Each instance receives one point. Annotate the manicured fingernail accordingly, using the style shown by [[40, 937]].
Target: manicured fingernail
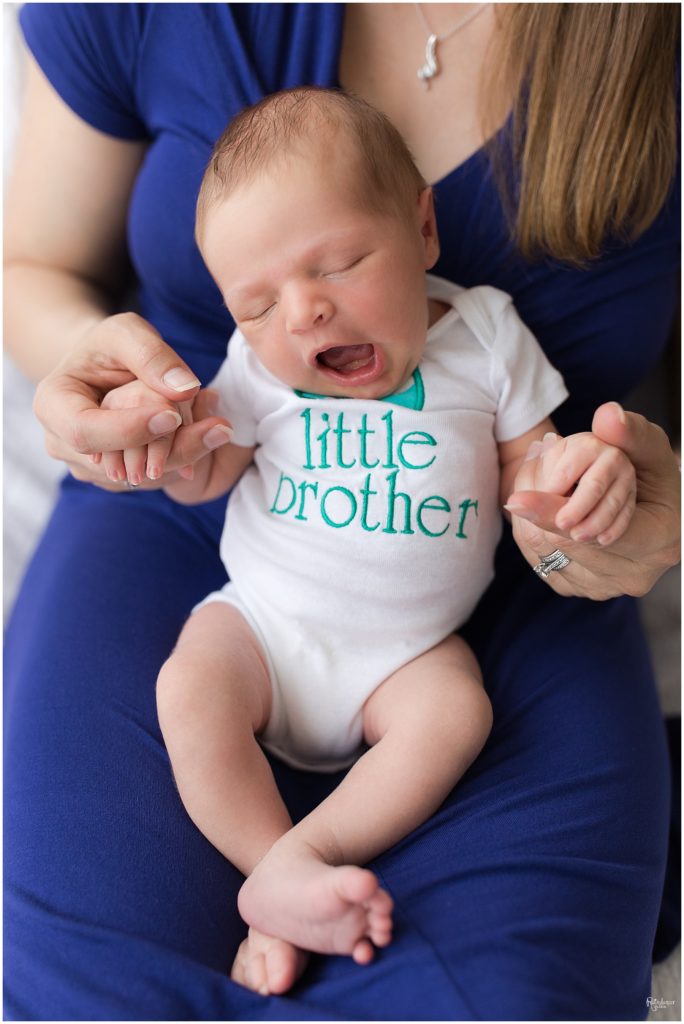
[[187, 472], [164, 422], [263, 991], [524, 513], [550, 436], [534, 451], [180, 379], [580, 535], [620, 412], [153, 472], [217, 436]]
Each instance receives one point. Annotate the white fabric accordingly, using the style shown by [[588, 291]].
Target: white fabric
[[364, 532]]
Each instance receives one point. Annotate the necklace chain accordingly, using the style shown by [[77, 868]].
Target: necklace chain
[[431, 67]]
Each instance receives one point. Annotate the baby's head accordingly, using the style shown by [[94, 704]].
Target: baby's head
[[318, 229]]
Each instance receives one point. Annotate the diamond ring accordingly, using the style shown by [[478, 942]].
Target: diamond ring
[[551, 563]]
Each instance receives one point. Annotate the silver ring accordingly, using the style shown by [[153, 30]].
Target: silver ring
[[551, 563]]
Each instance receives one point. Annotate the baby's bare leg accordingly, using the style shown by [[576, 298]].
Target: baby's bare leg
[[426, 724], [213, 696]]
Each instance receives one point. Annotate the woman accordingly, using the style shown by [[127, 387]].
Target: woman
[[534, 891]]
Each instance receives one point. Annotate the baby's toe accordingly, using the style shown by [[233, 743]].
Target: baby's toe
[[363, 952], [380, 903], [257, 977], [380, 934], [284, 964], [238, 971], [355, 885]]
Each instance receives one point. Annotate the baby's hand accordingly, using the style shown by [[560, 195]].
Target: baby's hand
[[597, 480], [134, 464]]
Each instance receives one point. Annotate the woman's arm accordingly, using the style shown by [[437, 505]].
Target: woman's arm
[[65, 266], [65, 218]]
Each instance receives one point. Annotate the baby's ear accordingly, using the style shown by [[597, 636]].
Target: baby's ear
[[428, 226]]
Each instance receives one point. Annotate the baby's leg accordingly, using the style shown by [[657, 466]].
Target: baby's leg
[[213, 696], [425, 724]]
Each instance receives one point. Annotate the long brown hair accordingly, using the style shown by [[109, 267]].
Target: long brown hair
[[594, 126]]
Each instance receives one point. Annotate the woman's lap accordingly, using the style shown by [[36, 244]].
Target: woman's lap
[[533, 893]]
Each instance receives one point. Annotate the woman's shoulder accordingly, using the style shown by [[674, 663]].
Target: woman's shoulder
[[117, 65], [88, 53]]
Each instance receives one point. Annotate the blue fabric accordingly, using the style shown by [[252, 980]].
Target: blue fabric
[[534, 892]]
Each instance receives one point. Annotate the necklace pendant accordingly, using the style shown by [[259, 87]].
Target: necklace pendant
[[431, 67]]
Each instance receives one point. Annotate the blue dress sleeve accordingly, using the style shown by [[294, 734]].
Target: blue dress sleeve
[[89, 54]]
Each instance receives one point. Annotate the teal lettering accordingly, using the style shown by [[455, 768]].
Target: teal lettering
[[366, 493], [352, 503], [391, 499], [464, 507], [340, 430], [409, 439], [387, 418], [306, 415], [323, 438], [363, 433], [303, 487], [442, 505], [274, 506]]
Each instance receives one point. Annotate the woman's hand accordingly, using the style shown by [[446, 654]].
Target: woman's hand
[[160, 460], [649, 545], [115, 351]]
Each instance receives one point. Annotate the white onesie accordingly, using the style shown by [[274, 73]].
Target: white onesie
[[364, 532]]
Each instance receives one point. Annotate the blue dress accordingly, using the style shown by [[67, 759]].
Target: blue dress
[[533, 893]]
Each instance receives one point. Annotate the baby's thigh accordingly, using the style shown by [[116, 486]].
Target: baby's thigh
[[218, 670], [431, 694]]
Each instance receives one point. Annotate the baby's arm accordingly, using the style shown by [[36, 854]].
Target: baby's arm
[[594, 484], [213, 475]]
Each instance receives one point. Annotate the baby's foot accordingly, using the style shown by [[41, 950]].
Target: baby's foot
[[268, 966], [294, 895]]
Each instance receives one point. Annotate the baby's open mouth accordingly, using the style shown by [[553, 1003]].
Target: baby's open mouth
[[345, 359]]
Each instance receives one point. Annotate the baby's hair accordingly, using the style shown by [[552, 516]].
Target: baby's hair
[[281, 124]]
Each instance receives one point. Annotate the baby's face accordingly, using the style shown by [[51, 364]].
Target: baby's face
[[329, 294]]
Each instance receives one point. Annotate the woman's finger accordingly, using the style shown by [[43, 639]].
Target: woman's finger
[[76, 417], [116, 351], [644, 443], [125, 347], [134, 343], [537, 507], [196, 441]]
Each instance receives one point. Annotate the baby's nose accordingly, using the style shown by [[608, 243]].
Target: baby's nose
[[306, 310]]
